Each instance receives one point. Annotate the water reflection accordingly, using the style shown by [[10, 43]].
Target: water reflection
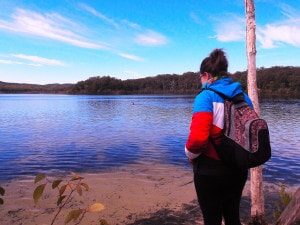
[[44, 133]]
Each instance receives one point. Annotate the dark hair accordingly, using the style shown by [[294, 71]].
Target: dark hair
[[216, 63]]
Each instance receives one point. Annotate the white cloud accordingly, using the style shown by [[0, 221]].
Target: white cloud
[[151, 38], [56, 27], [39, 60], [5, 61], [29, 60], [146, 37], [286, 32], [51, 26], [131, 57], [12, 62], [131, 24], [63, 22], [231, 30], [98, 15], [288, 11], [270, 35]]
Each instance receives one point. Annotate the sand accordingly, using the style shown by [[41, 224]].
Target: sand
[[135, 194]]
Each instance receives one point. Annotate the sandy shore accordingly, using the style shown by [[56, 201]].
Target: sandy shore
[[137, 194]]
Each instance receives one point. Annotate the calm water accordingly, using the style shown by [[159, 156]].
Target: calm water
[[50, 133]]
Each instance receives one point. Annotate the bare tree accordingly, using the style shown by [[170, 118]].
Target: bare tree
[[257, 198]]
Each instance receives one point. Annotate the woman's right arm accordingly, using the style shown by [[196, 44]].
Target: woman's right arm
[[201, 124]]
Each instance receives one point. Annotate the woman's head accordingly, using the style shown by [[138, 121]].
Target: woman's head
[[215, 64]]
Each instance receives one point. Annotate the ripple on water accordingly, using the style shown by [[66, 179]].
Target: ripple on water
[[53, 133]]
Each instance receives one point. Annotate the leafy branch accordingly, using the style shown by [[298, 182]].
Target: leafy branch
[[65, 193]]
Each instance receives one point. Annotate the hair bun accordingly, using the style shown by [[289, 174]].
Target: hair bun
[[216, 63], [217, 54]]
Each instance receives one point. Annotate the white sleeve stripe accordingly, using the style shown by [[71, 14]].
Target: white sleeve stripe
[[218, 117], [190, 155]]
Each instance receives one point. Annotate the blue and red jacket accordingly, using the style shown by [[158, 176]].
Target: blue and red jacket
[[208, 117]]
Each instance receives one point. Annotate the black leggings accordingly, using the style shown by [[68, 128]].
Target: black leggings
[[220, 196]]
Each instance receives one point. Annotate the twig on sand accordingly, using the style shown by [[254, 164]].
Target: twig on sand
[[186, 183]]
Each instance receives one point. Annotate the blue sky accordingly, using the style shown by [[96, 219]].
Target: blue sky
[[65, 41]]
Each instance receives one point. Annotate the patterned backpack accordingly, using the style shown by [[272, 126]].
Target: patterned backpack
[[245, 142]]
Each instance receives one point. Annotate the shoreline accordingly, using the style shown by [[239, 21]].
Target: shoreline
[[136, 194], [192, 95]]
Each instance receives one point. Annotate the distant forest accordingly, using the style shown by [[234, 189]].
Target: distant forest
[[273, 83]]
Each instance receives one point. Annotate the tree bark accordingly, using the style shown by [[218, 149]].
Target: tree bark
[[257, 199]]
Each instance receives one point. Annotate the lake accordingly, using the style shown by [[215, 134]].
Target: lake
[[58, 133]]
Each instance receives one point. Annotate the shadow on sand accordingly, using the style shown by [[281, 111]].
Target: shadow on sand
[[187, 216], [190, 213]]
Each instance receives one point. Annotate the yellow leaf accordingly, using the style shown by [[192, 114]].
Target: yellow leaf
[[39, 177], [73, 215], [97, 207], [38, 192]]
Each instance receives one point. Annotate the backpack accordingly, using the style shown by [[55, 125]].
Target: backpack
[[245, 141]]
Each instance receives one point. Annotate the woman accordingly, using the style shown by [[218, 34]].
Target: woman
[[219, 188]]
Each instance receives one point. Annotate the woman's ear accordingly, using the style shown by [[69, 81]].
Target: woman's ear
[[209, 75]]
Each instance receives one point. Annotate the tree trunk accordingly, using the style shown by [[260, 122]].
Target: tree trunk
[[257, 199], [291, 214]]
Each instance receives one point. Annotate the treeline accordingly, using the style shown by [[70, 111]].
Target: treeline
[[15, 88], [274, 82], [186, 83]]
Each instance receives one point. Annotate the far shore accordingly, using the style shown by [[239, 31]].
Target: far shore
[[269, 80], [132, 95], [136, 194]]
